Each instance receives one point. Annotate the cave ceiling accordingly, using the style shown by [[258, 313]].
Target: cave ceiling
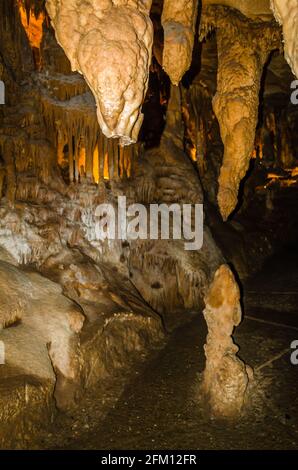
[[111, 44]]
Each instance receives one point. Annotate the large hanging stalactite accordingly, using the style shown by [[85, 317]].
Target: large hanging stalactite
[[243, 48], [178, 20], [110, 43], [286, 13]]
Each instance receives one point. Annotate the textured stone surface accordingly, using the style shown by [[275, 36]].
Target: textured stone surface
[[36, 303], [226, 377], [110, 43], [286, 13], [49, 353], [49, 148], [250, 8], [243, 48], [178, 20], [171, 279], [236, 107]]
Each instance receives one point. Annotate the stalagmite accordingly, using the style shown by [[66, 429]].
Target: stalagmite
[[110, 43], [178, 20], [243, 48], [286, 13], [226, 377]]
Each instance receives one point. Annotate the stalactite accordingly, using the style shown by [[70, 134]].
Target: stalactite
[[13, 33], [33, 26], [255, 9], [73, 124], [286, 13], [178, 20], [197, 113], [243, 48], [64, 87], [174, 129], [121, 162], [115, 66], [95, 166], [28, 165], [184, 278], [106, 173], [111, 158], [100, 157], [116, 159]]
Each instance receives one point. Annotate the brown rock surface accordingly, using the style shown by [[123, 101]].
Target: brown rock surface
[[243, 48], [35, 303], [225, 377], [179, 21], [249, 8], [110, 43]]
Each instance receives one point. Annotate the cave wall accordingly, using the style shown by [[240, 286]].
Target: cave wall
[[113, 300]]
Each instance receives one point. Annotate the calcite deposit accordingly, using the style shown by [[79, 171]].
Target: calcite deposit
[[76, 311], [110, 43], [286, 13], [250, 8], [37, 304], [226, 377], [179, 21], [243, 48]]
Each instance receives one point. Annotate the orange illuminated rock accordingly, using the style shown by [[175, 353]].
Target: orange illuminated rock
[[226, 377], [110, 43], [33, 25], [243, 47], [178, 20]]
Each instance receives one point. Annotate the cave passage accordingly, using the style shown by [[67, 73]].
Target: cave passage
[[148, 224], [158, 408]]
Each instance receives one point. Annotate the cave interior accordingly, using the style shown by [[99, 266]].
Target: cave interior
[[131, 342]]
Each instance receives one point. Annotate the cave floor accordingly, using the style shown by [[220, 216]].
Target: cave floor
[[160, 408]]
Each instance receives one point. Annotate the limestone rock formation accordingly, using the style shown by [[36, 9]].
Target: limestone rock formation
[[73, 308], [179, 21], [170, 278], [286, 13], [110, 43], [243, 48], [226, 377], [249, 8], [38, 305]]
